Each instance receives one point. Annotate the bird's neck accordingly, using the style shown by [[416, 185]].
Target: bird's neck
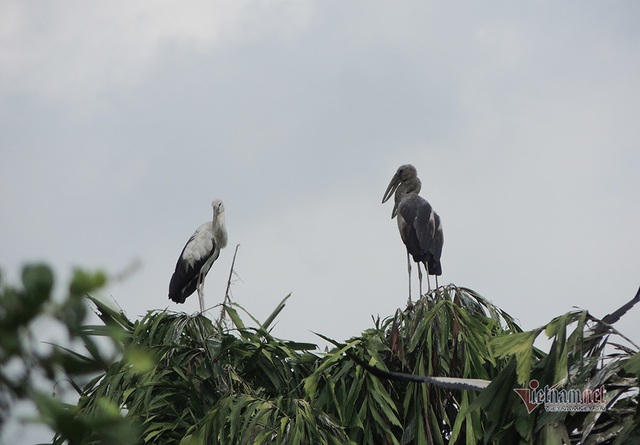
[[220, 232], [410, 187]]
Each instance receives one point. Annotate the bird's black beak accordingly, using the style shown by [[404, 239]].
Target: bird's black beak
[[393, 185], [394, 212]]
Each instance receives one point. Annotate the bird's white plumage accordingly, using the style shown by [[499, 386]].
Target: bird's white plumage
[[197, 257], [432, 223], [200, 245]]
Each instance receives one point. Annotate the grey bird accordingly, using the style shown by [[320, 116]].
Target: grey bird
[[197, 257], [419, 225]]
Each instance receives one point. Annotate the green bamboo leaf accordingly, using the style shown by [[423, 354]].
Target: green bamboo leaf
[[275, 312], [520, 345], [382, 426], [152, 435], [460, 419], [190, 439], [140, 359], [632, 365], [235, 318], [557, 359], [386, 405]]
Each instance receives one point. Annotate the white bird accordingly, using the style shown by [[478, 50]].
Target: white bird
[[419, 225], [197, 257]]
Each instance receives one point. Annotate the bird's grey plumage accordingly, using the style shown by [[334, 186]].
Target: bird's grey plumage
[[197, 257], [419, 225]]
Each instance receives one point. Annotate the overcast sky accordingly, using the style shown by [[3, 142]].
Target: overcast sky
[[121, 121]]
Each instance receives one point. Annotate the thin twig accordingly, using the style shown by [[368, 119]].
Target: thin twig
[[233, 262], [227, 298]]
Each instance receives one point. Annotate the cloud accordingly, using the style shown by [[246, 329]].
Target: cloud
[[77, 52]]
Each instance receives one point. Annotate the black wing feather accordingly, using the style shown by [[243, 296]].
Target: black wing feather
[[423, 239], [185, 278], [433, 258], [412, 212]]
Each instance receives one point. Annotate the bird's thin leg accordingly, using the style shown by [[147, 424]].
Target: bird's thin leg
[[426, 268], [437, 286], [201, 299], [200, 288], [409, 268], [420, 278]]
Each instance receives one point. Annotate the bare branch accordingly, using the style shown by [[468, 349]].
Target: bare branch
[[227, 298]]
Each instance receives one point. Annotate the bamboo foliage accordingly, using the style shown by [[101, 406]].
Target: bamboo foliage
[[589, 358], [444, 334], [206, 382], [190, 380]]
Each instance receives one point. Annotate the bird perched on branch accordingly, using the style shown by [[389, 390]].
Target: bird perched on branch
[[197, 257], [420, 227]]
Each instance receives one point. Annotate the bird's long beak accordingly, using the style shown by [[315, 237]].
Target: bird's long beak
[[393, 185], [215, 213]]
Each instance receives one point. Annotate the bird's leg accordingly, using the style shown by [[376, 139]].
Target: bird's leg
[[201, 298], [426, 268], [437, 286], [420, 278], [409, 268], [200, 288]]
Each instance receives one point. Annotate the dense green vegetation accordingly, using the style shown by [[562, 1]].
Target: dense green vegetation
[[181, 379]]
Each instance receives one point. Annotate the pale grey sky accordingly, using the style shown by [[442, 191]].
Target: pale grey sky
[[120, 122]]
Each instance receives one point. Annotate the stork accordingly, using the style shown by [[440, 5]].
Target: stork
[[197, 257], [419, 226]]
